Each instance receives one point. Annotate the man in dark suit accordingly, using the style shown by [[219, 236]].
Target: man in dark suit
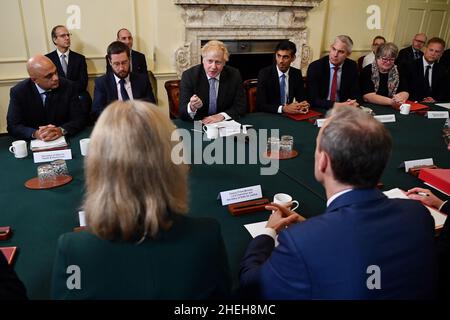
[[212, 91], [413, 52], [427, 79], [360, 247], [120, 84], [333, 80], [44, 106], [280, 84], [442, 241], [138, 64], [11, 288], [70, 64]]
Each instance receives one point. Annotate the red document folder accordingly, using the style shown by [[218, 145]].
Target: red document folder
[[306, 116], [438, 178], [9, 253], [415, 107]]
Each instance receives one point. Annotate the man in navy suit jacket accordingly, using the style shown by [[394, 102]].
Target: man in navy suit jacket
[[364, 246], [138, 62], [436, 88], [321, 75], [75, 67], [412, 52], [120, 84], [44, 106], [269, 95], [225, 99]]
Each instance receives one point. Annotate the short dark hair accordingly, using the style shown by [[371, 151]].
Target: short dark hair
[[117, 47], [118, 32], [53, 34], [286, 45], [379, 37], [358, 145], [437, 40]]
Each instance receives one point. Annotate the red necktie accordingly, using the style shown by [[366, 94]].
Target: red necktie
[[334, 84]]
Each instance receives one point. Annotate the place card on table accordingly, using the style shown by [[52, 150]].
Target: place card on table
[[48, 156], [437, 114], [240, 195], [416, 163], [386, 118]]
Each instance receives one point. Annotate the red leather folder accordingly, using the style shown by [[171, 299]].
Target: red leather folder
[[306, 116], [438, 178], [9, 253]]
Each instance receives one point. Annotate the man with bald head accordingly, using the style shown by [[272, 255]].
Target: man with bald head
[[137, 59], [413, 52], [44, 106]]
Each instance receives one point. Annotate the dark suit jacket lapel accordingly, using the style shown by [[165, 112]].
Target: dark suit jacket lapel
[[112, 85], [71, 65], [326, 75], [223, 88], [135, 86], [291, 89]]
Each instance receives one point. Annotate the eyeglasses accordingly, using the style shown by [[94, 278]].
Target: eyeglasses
[[419, 41], [64, 35], [386, 60]]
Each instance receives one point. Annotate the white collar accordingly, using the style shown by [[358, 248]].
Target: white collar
[[127, 78], [336, 195], [65, 53], [339, 66], [426, 63], [285, 73], [40, 90], [216, 77]]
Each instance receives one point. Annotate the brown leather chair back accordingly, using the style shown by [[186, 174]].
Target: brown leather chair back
[[173, 95], [250, 90]]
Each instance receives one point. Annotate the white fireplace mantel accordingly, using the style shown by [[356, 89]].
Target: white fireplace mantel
[[243, 20]]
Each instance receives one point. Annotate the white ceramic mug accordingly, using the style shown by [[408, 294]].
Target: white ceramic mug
[[84, 146], [283, 199], [405, 108], [212, 131], [19, 148]]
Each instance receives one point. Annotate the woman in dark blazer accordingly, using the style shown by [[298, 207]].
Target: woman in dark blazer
[[139, 244], [442, 241], [381, 82]]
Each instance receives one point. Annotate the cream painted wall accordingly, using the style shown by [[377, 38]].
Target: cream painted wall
[[158, 29]]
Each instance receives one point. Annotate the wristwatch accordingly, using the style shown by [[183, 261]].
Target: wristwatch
[[63, 131]]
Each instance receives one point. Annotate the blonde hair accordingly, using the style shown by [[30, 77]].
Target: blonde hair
[[132, 185], [215, 45]]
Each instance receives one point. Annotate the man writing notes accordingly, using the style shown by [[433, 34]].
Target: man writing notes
[[120, 84], [364, 246], [44, 106], [333, 79], [212, 91], [280, 84]]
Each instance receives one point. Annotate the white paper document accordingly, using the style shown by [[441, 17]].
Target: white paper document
[[36, 145], [228, 128], [444, 105], [439, 218], [257, 228]]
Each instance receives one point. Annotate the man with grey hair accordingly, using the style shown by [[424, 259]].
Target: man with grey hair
[[360, 247], [212, 91], [333, 79], [44, 106]]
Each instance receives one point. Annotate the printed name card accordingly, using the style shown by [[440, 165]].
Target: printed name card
[[47, 156], [240, 195], [386, 118], [416, 163], [437, 114], [320, 122]]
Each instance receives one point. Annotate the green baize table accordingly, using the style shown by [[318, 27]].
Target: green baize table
[[39, 217]]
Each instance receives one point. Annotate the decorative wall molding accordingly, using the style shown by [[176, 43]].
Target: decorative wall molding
[[243, 20]]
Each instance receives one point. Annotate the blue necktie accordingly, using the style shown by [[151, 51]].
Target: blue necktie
[[123, 92], [283, 89], [212, 96]]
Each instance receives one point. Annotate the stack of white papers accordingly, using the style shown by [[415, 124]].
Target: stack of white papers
[[228, 128], [39, 145], [439, 218]]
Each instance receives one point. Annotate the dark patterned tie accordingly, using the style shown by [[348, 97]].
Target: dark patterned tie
[[212, 96], [283, 89], [64, 64], [123, 92], [427, 80]]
